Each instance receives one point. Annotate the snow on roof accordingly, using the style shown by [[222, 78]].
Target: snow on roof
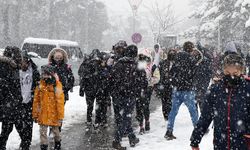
[[247, 23], [243, 10], [238, 3], [209, 26], [219, 18], [246, 2], [51, 42], [211, 11], [1, 51], [167, 34]]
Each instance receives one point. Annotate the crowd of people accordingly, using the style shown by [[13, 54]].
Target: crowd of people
[[210, 84], [28, 96]]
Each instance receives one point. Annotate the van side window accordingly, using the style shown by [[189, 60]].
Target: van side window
[[41, 49]]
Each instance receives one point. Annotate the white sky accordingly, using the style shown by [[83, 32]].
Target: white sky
[[122, 7]]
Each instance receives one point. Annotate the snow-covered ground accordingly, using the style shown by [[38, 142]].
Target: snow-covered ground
[[75, 111], [154, 140]]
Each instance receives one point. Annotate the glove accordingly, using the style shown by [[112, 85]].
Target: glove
[[195, 148]]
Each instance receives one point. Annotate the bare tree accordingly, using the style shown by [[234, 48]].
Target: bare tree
[[162, 18]]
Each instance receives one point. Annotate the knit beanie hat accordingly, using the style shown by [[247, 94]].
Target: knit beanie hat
[[233, 59]]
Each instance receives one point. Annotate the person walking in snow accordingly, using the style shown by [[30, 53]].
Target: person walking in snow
[[124, 84], [182, 74], [153, 77], [156, 55], [48, 106], [164, 85], [88, 73], [228, 106], [103, 92], [29, 78], [119, 49], [229, 49], [11, 96], [203, 73], [59, 58]]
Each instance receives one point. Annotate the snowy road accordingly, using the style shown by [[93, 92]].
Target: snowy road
[[74, 136]]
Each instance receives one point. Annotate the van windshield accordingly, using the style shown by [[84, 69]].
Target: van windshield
[[73, 52], [41, 49]]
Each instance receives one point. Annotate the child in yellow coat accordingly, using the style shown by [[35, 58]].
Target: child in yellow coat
[[48, 106]]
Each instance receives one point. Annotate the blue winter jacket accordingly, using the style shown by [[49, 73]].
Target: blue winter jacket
[[229, 108]]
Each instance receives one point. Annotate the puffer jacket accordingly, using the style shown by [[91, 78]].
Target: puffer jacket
[[63, 70], [48, 105], [10, 91], [126, 79], [183, 71], [229, 109]]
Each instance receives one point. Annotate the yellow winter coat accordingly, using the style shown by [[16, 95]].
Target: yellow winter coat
[[48, 105]]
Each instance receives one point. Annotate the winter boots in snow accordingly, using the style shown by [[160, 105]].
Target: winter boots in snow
[[133, 141], [44, 147], [117, 145], [57, 145], [147, 125], [169, 135], [142, 130]]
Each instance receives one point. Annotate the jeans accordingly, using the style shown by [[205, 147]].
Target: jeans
[[179, 97]]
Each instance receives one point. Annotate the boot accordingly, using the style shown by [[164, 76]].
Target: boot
[[57, 145], [133, 141], [24, 146], [169, 135], [142, 130], [44, 147], [147, 126], [117, 145]]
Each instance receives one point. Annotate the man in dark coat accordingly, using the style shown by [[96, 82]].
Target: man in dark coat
[[29, 78], [228, 106], [11, 96], [203, 75], [182, 74], [59, 59], [103, 92], [119, 49], [126, 79], [164, 87], [88, 73]]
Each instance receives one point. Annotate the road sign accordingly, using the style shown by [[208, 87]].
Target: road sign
[[136, 38]]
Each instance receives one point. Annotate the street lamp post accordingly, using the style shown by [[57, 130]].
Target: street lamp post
[[134, 5]]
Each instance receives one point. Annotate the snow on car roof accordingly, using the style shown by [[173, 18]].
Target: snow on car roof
[[1, 51], [50, 41]]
